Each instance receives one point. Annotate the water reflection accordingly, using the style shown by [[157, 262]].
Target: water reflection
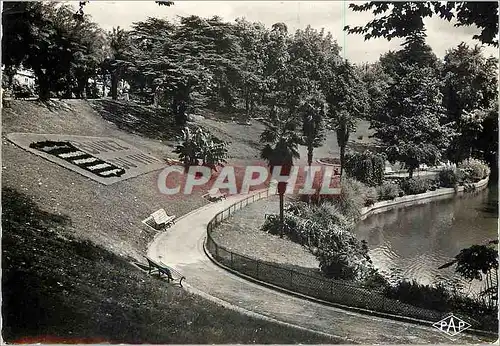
[[412, 242]]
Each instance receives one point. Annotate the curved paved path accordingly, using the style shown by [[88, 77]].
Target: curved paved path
[[181, 247]]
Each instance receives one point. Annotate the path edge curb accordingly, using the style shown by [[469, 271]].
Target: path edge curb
[[361, 311], [336, 305]]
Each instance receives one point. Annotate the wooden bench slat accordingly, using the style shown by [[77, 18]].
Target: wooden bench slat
[[166, 270], [160, 219]]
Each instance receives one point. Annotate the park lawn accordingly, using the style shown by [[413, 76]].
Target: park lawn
[[75, 280], [241, 234], [60, 289]]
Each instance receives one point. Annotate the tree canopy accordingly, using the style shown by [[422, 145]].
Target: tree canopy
[[403, 19]]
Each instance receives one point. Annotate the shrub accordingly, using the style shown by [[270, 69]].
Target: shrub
[[201, 145], [326, 230], [441, 298], [388, 191], [424, 296], [354, 196], [413, 186], [474, 169], [366, 167], [449, 177]]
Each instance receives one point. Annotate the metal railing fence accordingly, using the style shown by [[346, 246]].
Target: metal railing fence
[[340, 292]]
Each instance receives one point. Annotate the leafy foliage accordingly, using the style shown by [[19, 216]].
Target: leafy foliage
[[449, 177], [62, 51], [347, 101], [366, 167], [410, 124], [201, 145], [403, 19], [281, 142], [474, 169], [354, 196], [469, 88], [476, 260], [328, 234], [388, 191], [312, 110], [413, 186]]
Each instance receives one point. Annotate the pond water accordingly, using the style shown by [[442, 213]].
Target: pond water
[[412, 242]]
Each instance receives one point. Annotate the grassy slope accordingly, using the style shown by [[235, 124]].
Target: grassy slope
[[66, 239]]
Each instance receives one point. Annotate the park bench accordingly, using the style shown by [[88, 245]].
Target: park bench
[[214, 195], [160, 220], [164, 271]]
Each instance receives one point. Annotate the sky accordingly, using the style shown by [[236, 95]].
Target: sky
[[330, 15]]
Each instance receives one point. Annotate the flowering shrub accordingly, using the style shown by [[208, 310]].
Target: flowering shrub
[[329, 236], [474, 170], [449, 177], [413, 186], [388, 191], [354, 196]]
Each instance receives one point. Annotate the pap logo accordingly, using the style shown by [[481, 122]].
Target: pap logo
[[451, 325]]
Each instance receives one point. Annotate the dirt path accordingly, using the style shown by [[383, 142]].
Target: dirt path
[[182, 248]]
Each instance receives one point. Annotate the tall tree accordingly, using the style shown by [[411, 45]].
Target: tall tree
[[252, 43], [347, 100], [403, 19], [118, 61], [281, 148], [45, 37], [469, 88], [411, 122], [312, 109], [377, 83], [31, 39]]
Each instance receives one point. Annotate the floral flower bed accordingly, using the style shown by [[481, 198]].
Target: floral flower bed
[[69, 153]]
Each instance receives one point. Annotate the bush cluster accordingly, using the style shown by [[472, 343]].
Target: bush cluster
[[328, 233], [474, 170], [354, 196], [441, 298], [449, 177], [414, 186], [388, 191], [201, 145], [366, 167]]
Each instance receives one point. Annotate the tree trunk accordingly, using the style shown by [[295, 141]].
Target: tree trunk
[[342, 139], [104, 85], [309, 162], [43, 86], [10, 72], [68, 93], [114, 86], [342, 158], [247, 104], [310, 150], [282, 216], [81, 87], [410, 172]]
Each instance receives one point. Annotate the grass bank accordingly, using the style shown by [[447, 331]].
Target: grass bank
[[58, 287], [68, 242]]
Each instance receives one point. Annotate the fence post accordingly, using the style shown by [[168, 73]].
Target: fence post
[[216, 250], [257, 269], [232, 260], [331, 290], [291, 278]]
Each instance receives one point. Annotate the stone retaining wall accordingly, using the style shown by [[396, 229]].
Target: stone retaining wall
[[426, 197]]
